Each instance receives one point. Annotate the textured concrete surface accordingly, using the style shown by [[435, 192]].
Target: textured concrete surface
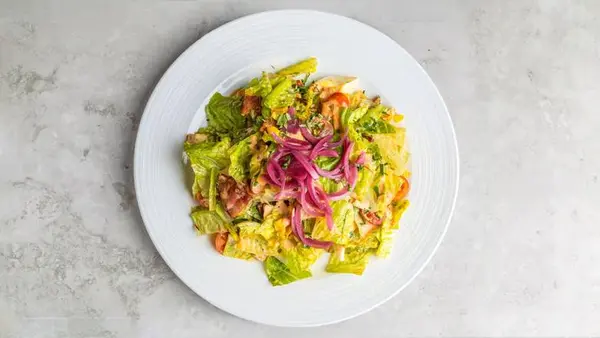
[[522, 257]]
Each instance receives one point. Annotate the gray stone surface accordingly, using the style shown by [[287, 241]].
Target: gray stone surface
[[522, 257]]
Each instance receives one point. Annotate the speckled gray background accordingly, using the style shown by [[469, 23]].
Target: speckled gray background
[[522, 82]]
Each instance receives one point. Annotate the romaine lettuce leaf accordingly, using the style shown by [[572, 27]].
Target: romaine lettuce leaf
[[274, 221], [212, 189], [231, 250], [385, 241], [348, 260], [207, 222], [330, 185], [239, 156], [250, 214], [392, 150], [224, 115], [388, 186], [350, 116], [265, 229], [257, 246], [203, 157], [372, 122], [365, 195], [350, 120], [343, 221], [279, 274], [398, 208], [303, 67], [327, 163], [300, 258], [282, 95], [259, 86]]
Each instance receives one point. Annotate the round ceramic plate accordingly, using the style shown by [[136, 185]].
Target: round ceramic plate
[[227, 58]]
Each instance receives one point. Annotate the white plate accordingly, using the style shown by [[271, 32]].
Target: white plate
[[223, 60]]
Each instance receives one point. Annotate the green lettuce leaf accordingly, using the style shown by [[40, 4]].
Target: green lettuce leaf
[[265, 229], [327, 163], [207, 222], [239, 156], [259, 86], [348, 260], [220, 211], [349, 116], [385, 242], [330, 185], [392, 150], [224, 115], [364, 188], [387, 188], [203, 157], [257, 246], [250, 214], [279, 274], [212, 189], [398, 208], [231, 250], [303, 67], [372, 123], [300, 258], [282, 95], [272, 221], [343, 220]]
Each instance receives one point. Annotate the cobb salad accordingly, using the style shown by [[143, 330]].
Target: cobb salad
[[289, 169]]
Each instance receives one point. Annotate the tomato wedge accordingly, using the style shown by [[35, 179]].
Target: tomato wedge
[[221, 241], [370, 217], [340, 98], [404, 189], [331, 107]]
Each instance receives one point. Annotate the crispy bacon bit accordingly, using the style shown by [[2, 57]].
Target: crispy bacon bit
[[239, 92], [377, 101], [251, 105], [195, 138], [235, 196], [201, 200]]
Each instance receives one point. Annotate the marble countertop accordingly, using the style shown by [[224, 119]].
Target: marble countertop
[[520, 77]]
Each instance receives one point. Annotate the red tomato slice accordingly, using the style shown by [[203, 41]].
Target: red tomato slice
[[370, 217], [221, 241], [340, 98]]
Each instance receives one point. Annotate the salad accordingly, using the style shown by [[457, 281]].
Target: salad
[[289, 169]]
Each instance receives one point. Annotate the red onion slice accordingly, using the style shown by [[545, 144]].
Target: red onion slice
[[308, 135], [327, 153], [293, 126], [320, 145], [298, 230], [308, 208], [287, 194], [335, 174], [361, 158], [329, 220], [301, 158], [275, 173], [338, 195]]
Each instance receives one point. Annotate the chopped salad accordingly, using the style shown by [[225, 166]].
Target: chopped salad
[[289, 169]]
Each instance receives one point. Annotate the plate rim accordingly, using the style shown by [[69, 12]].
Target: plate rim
[[144, 119]]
